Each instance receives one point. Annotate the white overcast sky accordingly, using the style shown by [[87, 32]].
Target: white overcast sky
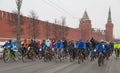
[[49, 10]]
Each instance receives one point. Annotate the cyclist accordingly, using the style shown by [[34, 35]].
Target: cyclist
[[9, 45], [117, 49], [25, 46]]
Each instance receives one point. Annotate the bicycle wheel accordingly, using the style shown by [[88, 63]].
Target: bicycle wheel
[[29, 55], [39, 55], [18, 56], [6, 56]]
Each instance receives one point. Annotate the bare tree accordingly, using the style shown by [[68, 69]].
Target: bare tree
[[64, 29], [33, 25], [60, 31], [47, 27], [56, 31], [18, 3]]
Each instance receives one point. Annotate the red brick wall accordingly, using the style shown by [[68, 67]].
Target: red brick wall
[[73, 34], [6, 30], [98, 35]]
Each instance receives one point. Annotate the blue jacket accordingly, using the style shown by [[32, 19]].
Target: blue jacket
[[15, 46], [44, 46], [58, 45], [100, 48], [7, 45], [81, 45], [51, 45], [61, 45], [107, 47]]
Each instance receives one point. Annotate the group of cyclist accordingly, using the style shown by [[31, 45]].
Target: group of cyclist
[[65, 47]]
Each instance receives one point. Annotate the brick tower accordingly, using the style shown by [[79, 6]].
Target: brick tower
[[109, 28], [85, 27]]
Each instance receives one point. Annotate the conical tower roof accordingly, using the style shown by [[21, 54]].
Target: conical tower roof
[[109, 16], [85, 16]]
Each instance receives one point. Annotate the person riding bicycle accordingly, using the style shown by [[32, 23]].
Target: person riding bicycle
[[9, 45], [58, 46], [59, 50], [48, 46], [101, 48], [25, 44], [117, 48], [81, 45], [33, 44], [14, 46], [48, 43], [53, 45], [65, 46], [43, 47]]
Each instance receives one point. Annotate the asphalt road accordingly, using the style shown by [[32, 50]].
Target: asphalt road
[[38, 66]]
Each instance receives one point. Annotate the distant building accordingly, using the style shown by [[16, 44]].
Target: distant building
[[52, 30]]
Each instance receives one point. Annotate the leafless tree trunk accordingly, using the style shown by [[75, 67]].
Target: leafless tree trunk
[[60, 31], [18, 3], [12, 21], [47, 30], [33, 25], [64, 29], [56, 31]]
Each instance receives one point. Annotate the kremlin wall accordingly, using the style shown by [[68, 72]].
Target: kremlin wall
[[51, 30]]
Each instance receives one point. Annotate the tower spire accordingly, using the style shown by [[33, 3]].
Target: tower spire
[[85, 16], [109, 16]]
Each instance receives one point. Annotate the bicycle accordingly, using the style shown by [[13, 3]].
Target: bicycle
[[9, 54], [29, 54]]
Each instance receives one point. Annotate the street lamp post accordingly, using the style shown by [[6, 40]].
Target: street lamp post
[[18, 3]]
